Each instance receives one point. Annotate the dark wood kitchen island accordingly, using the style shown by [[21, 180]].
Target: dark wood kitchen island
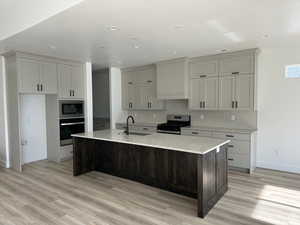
[[191, 166]]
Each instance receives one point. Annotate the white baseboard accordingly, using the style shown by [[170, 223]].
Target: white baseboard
[[280, 167], [2, 163]]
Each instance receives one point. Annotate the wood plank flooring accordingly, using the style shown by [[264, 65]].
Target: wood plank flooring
[[47, 193]]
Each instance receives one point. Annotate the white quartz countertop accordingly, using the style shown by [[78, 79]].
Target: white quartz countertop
[[221, 129], [191, 144]]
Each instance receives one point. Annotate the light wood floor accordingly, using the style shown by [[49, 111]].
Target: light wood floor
[[47, 193]]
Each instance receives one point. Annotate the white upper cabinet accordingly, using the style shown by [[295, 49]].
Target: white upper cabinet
[[29, 76], [204, 84], [204, 68], [236, 92], [71, 81], [227, 93], [77, 82], [64, 81], [139, 89], [244, 92], [49, 77], [37, 77], [172, 79], [239, 63], [204, 94]]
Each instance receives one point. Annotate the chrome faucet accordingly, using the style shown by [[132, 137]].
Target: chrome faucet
[[127, 125]]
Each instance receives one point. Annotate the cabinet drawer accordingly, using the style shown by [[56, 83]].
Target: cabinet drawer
[[232, 136], [238, 160], [200, 133], [239, 147]]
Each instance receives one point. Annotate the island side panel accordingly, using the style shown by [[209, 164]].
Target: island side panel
[[212, 179], [83, 155], [183, 173]]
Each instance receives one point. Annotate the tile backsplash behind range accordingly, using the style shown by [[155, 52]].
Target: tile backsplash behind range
[[225, 119]]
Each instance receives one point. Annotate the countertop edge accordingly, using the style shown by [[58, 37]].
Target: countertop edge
[[152, 146]]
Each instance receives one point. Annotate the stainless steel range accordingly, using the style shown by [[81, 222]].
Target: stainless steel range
[[174, 124]]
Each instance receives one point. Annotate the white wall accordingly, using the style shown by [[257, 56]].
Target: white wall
[[278, 111], [33, 128], [2, 115], [116, 112], [101, 107]]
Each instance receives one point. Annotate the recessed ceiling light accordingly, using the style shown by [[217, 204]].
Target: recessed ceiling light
[[113, 28], [179, 26], [53, 47], [223, 50], [136, 46]]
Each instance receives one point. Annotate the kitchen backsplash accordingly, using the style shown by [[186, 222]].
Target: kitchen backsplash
[[199, 118]]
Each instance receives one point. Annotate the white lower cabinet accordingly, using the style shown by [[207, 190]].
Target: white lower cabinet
[[66, 152], [241, 149]]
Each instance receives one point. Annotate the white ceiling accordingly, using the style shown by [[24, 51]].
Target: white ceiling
[[18, 15], [149, 31]]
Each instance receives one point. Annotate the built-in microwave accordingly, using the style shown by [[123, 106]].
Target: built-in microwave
[[71, 109]]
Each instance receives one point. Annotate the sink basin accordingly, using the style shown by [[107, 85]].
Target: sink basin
[[135, 133]]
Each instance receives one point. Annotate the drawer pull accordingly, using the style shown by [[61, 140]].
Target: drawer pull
[[145, 128], [230, 146], [228, 135], [230, 159], [195, 133], [202, 76], [234, 73]]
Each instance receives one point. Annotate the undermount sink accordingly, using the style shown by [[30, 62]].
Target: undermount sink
[[134, 133]]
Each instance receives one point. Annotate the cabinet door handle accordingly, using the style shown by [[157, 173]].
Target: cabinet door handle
[[145, 128], [203, 104], [149, 81], [150, 103], [230, 146], [70, 92], [73, 93], [200, 105], [235, 73], [41, 87], [236, 104], [231, 159], [232, 104], [129, 82], [195, 133], [202, 76], [38, 87], [228, 135]]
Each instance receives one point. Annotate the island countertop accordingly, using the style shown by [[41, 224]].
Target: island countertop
[[191, 144]]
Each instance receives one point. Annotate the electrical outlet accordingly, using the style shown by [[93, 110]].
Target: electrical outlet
[[202, 117], [233, 117]]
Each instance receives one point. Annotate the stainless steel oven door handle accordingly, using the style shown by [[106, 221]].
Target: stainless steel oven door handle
[[69, 124]]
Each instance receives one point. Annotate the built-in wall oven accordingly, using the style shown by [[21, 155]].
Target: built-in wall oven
[[71, 120]]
